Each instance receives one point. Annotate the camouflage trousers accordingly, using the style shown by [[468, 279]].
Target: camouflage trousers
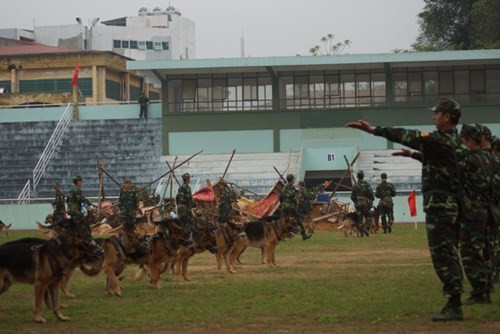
[[473, 251], [82, 225], [386, 216], [443, 231], [128, 222], [364, 221], [291, 212]]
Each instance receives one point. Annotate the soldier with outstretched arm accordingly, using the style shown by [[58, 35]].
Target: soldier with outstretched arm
[[442, 151]]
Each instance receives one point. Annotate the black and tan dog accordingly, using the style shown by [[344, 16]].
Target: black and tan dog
[[44, 264], [5, 228], [264, 234]]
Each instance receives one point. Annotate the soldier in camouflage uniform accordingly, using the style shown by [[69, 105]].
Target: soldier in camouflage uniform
[[185, 203], [385, 192], [304, 207], [75, 200], [362, 197], [227, 198], [128, 205], [492, 166], [473, 231], [59, 205], [441, 150], [288, 199]]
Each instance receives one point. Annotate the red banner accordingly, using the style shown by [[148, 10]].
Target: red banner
[[263, 207], [412, 203], [74, 82]]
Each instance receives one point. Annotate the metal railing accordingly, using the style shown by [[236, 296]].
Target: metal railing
[[25, 194], [47, 154]]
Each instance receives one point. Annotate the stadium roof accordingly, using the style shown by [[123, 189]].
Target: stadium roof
[[10, 47], [298, 63]]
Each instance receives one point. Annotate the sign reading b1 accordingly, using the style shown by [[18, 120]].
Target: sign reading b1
[[330, 157]]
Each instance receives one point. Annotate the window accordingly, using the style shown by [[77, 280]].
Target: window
[[164, 45], [446, 82], [117, 44], [142, 45], [133, 44], [157, 46], [125, 44], [149, 45]]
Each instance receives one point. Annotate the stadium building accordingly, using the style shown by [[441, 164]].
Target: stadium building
[[279, 113]]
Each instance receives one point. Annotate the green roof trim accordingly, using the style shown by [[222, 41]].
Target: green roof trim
[[288, 61]]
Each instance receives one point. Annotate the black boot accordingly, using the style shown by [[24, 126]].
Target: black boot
[[478, 299], [451, 312], [306, 236]]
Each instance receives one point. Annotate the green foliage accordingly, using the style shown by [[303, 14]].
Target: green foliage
[[458, 25], [328, 47], [328, 284]]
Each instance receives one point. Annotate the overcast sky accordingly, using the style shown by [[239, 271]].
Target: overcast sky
[[269, 27]]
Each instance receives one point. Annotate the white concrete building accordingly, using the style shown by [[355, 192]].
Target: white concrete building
[[157, 34]]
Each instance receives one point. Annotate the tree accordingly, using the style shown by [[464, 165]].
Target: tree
[[458, 25], [329, 48]]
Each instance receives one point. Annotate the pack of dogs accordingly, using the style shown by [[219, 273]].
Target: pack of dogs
[[161, 245], [156, 246]]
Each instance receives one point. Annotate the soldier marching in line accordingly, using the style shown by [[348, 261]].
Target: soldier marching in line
[[288, 199], [75, 201], [362, 196], [185, 203], [128, 205], [227, 198], [385, 192], [59, 205]]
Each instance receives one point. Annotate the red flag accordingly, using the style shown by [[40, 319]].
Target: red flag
[[74, 82], [412, 203]]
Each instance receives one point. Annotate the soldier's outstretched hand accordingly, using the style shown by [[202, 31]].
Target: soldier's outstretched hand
[[403, 153], [361, 125]]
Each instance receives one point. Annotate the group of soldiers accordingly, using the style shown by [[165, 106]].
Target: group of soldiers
[[461, 194], [363, 197]]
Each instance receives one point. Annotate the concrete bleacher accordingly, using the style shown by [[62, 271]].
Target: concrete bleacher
[[404, 173], [252, 171], [126, 147]]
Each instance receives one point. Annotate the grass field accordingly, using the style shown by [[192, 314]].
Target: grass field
[[328, 284]]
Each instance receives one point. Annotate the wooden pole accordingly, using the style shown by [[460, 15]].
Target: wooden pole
[[171, 170], [247, 190], [229, 163], [281, 176]]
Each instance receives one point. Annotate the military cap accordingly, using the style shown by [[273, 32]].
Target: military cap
[[485, 131], [447, 105], [127, 180], [185, 176], [383, 176], [471, 131], [57, 185], [360, 174], [290, 177], [77, 178]]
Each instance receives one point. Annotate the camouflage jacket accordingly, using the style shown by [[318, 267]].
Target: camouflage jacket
[[362, 190], [184, 196], [143, 100], [385, 191], [306, 197], [60, 206], [128, 202], [443, 159], [288, 197], [227, 198], [75, 200]]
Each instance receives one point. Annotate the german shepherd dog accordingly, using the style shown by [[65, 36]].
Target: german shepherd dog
[[118, 252], [264, 234], [44, 264], [5, 228], [203, 238], [226, 236]]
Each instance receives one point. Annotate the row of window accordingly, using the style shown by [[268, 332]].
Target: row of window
[[140, 45], [335, 89]]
